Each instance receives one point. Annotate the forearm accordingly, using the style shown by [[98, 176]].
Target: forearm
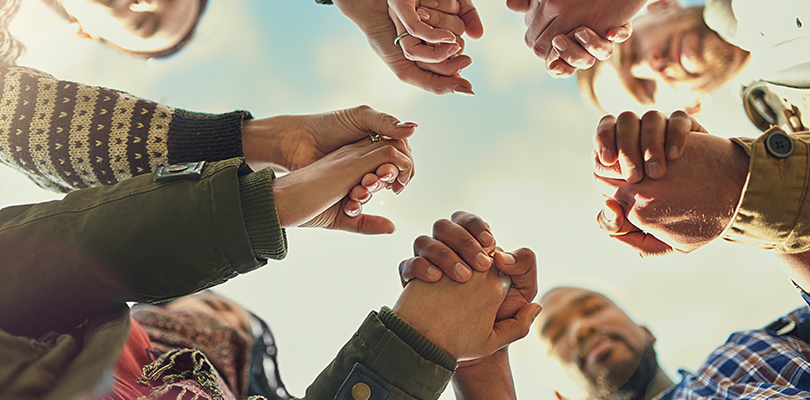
[[138, 240], [67, 135], [774, 211], [487, 378]]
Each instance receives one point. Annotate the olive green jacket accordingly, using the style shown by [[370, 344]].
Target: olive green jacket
[[69, 267]]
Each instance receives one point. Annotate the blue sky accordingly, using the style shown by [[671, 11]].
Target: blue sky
[[518, 154]]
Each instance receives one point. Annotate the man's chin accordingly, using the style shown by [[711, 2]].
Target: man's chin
[[625, 379]]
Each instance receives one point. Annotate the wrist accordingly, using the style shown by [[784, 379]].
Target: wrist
[[418, 342], [261, 143]]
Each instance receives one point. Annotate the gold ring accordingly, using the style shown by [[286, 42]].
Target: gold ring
[[492, 253], [375, 137], [401, 35]]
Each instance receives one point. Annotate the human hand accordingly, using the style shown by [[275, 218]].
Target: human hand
[[485, 378], [648, 141], [290, 142], [581, 48], [460, 317], [464, 242], [445, 58], [688, 207], [372, 17], [316, 195], [546, 19]]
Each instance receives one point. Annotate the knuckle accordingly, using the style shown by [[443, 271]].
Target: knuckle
[[469, 242], [441, 225], [627, 116], [422, 241]]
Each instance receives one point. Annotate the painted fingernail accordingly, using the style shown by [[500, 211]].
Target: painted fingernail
[[388, 178], [582, 36], [464, 91], [485, 238], [558, 70], [375, 187], [560, 43], [433, 272], [423, 15], [462, 270], [483, 259], [621, 36], [365, 198], [606, 219], [407, 125], [508, 259], [654, 169], [608, 214], [607, 154], [353, 213], [672, 152]]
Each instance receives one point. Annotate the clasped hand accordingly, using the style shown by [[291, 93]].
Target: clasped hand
[[662, 193]]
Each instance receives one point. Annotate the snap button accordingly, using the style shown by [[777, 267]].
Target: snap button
[[779, 144], [361, 391], [178, 168]]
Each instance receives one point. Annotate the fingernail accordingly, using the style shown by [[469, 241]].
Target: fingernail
[[560, 43], [374, 188], [433, 272], [365, 198], [633, 176], [558, 70], [423, 15], [654, 169], [582, 36], [388, 178], [483, 259], [462, 270], [407, 125], [672, 152], [465, 64], [621, 36], [353, 213], [463, 91], [537, 310], [508, 259], [607, 154], [485, 238], [608, 214]]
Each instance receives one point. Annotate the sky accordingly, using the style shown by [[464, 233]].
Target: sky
[[518, 154]]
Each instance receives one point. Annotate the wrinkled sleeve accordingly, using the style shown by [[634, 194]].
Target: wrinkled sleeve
[[138, 240], [67, 135], [774, 210], [385, 359]]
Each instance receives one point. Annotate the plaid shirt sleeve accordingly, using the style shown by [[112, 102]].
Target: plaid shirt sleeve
[[755, 364]]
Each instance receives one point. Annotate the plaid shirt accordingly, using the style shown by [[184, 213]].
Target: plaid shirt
[[756, 364]]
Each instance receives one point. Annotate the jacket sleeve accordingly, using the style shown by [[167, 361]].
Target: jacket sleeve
[[774, 210], [385, 359], [67, 135], [138, 240]]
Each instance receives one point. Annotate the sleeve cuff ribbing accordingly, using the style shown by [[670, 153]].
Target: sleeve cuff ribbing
[[416, 340], [267, 238], [205, 137]]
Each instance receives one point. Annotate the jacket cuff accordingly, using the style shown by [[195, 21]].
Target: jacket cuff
[[772, 213], [205, 137], [416, 340], [267, 239]]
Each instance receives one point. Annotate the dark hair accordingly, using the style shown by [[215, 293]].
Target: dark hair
[[165, 52]]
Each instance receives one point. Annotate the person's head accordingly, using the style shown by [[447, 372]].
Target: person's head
[[596, 341], [218, 307], [140, 28], [672, 47]]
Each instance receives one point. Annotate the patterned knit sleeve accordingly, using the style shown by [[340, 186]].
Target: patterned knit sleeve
[[67, 135]]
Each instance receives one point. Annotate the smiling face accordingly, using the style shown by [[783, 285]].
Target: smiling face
[[672, 46], [590, 335], [137, 26]]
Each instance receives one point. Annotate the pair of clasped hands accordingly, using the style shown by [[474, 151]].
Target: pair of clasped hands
[[669, 185], [567, 34]]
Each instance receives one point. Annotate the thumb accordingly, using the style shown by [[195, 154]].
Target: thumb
[[509, 330], [518, 5], [371, 120], [365, 224]]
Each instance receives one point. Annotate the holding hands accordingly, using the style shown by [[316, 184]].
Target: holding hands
[[336, 161], [686, 208], [491, 309]]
